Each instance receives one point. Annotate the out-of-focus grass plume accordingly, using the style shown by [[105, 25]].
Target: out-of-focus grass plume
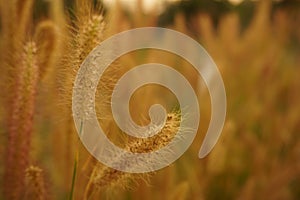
[[255, 44]]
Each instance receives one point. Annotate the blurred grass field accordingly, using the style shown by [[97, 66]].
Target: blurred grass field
[[255, 44]]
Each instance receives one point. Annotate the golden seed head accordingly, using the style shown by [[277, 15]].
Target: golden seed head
[[105, 177], [35, 188]]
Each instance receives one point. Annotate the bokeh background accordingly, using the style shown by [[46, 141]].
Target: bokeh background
[[255, 44]]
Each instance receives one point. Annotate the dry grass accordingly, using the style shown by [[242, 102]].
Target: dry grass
[[257, 156]]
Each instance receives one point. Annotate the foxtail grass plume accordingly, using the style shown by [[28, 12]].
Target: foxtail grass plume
[[21, 122], [35, 184], [103, 177]]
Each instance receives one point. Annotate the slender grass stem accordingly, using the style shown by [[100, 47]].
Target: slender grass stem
[[75, 167]]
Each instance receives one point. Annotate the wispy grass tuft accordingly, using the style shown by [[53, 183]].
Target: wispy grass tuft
[[103, 177], [35, 184], [21, 122]]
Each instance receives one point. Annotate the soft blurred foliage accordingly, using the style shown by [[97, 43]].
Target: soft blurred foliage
[[255, 44]]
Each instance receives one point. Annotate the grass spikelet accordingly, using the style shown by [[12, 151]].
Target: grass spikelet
[[89, 36], [14, 34], [21, 122], [86, 38], [35, 185], [46, 35], [104, 177], [159, 140], [85, 34]]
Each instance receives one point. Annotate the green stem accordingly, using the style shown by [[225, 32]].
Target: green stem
[[75, 168]]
